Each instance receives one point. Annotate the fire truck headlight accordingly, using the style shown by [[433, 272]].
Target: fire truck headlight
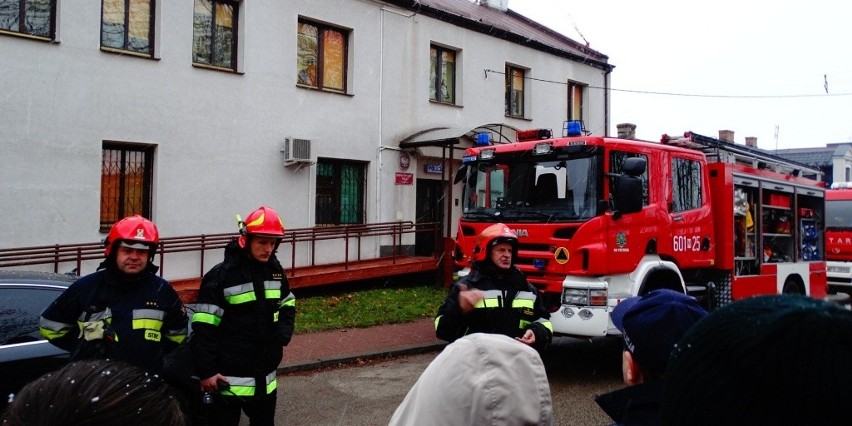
[[486, 154], [543, 148], [575, 296]]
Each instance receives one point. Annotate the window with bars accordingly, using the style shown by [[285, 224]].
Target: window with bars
[[340, 192], [126, 176], [35, 18], [514, 92], [442, 75], [214, 35], [128, 25], [321, 53]]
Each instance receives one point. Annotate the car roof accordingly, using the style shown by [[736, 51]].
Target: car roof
[[36, 277]]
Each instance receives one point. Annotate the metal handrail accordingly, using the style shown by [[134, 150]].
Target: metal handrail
[[77, 253]]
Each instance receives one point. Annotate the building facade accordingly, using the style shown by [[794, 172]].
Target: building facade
[[330, 111]]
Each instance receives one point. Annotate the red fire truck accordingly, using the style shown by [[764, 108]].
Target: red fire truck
[[838, 237], [602, 219]]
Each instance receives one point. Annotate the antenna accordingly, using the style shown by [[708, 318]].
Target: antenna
[[776, 138]]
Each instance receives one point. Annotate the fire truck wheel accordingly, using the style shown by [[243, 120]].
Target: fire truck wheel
[[793, 286]]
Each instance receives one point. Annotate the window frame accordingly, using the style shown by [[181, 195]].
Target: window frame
[[436, 77], [152, 33], [575, 101], [687, 185], [520, 111], [236, 29], [107, 217], [22, 17], [320, 65], [322, 217]]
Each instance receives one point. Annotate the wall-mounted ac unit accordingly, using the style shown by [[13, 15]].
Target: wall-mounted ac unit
[[296, 151]]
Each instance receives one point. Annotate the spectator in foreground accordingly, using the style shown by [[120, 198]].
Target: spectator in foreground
[[479, 379], [95, 393], [650, 325], [779, 359]]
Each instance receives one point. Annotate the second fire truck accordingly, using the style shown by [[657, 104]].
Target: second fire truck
[[602, 219]]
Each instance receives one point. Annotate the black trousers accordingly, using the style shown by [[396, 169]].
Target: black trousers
[[226, 410]]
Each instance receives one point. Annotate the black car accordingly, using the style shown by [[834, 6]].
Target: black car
[[24, 354]]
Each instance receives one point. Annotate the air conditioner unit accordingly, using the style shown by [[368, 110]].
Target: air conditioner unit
[[296, 151]]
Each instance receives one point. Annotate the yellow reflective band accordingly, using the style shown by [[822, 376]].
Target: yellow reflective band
[[523, 324], [272, 293], [206, 318], [177, 338], [522, 303], [487, 303], [145, 323], [546, 323], [291, 302], [50, 334], [275, 316], [241, 298], [271, 386], [437, 320], [239, 391]]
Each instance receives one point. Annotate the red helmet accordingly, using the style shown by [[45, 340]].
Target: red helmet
[[263, 222], [494, 234], [134, 230]]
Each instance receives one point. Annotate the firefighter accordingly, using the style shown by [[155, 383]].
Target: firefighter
[[122, 311], [244, 318], [495, 297]]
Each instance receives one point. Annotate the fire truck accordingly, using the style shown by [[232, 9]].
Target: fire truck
[[601, 219], [838, 237]]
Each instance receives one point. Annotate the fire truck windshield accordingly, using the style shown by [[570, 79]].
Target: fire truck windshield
[[524, 188], [838, 215]]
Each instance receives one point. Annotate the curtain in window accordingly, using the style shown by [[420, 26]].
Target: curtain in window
[[334, 47], [137, 30], [350, 194], [307, 55]]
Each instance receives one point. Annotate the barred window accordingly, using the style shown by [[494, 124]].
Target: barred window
[[126, 177], [340, 192]]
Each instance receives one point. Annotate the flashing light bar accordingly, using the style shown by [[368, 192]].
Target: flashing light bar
[[533, 135], [483, 138], [573, 128]]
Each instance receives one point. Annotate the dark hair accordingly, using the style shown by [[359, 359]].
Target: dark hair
[[763, 360], [95, 393]]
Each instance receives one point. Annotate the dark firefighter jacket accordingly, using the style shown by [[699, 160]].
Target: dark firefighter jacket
[[136, 319], [244, 317], [511, 306]]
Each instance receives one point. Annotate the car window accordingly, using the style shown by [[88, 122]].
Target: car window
[[20, 309]]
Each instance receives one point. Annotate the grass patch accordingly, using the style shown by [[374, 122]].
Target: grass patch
[[363, 308]]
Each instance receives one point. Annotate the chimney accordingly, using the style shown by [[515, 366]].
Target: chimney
[[726, 135], [626, 130], [751, 141]]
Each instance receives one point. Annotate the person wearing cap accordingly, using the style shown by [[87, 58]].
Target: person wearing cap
[[764, 360], [479, 379], [244, 318], [651, 326], [495, 297], [123, 310]]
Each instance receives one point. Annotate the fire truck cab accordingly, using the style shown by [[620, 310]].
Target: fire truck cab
[[838, 237], [602, 219]]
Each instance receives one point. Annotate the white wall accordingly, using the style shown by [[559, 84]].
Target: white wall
[[219, 134]]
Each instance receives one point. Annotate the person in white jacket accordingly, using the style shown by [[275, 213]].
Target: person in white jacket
[[479, 379]]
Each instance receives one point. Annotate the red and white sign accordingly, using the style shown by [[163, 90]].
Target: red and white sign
[[405, 178]]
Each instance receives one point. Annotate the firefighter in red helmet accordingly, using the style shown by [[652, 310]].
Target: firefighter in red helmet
[[244, 317], [122, 311], [495, 297]]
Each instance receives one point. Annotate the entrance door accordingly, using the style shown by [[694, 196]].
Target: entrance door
[[430, 209]]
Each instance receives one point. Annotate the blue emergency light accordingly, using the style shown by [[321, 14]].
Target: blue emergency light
[[483, 138], [573, 128]]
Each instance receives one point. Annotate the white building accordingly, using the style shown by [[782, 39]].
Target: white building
[[181, 110]]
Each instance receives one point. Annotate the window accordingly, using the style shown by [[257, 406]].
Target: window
[[321, 56], [340, 192], [575, 101], [514, 92], [31, 17], [442, 75], [126, 176], [617, 159], [214, 38], [128, 25], [686, 185]]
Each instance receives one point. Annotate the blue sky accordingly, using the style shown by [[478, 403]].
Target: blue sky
[[747, 66]]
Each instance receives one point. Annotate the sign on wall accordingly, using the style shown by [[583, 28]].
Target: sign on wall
[[405, 178]]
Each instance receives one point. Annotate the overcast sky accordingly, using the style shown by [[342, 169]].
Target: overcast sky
[[742, 65]]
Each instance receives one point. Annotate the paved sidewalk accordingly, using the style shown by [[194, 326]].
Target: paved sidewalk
[[314, 350]]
